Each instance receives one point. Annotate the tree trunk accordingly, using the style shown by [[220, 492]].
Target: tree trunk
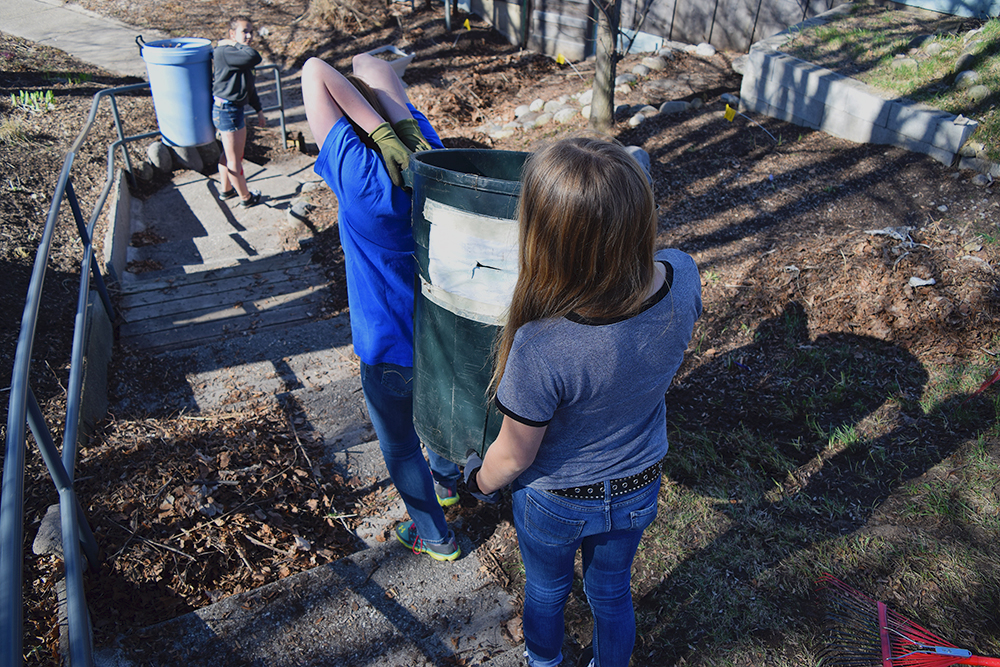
[[602, 107]]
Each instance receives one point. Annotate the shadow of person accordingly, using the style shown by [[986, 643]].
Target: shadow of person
[[792, 442]]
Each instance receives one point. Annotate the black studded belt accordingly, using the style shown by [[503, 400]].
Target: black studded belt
[[619, 486]]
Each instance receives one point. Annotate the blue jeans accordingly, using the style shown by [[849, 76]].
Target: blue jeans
[[388, 390], [550, 529]]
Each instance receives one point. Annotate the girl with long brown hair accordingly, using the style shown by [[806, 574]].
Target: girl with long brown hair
[[597, 327]]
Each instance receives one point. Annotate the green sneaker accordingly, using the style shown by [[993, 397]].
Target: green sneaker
[[407, 534], [446, 497]]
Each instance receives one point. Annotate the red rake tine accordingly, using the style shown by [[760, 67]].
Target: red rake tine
[[984, 386], [866, 632]]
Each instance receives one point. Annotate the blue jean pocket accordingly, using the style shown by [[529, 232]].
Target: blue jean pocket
[[228, 118], [548, 527], [641, 518], [393, 380]]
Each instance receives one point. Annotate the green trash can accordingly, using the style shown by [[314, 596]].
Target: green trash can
[[465, 228]]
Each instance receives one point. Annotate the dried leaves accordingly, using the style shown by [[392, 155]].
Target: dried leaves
[[193, 509]]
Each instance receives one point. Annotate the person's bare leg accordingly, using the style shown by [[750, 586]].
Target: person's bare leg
[[224, 183], [232, 145]]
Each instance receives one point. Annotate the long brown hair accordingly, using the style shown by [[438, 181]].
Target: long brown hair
[[587, 231]]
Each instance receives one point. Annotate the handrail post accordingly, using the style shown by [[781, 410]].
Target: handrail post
[[60, 475], [11, 540], [121, 138], [95, 269], [281, 105], [81, 636]]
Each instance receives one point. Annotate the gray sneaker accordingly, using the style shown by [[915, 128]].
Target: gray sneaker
[[446, 497], [253, 200]]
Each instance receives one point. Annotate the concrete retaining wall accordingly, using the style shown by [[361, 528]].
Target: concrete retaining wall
[[100, 334], [780, 86], [118, 235], [100, 343]]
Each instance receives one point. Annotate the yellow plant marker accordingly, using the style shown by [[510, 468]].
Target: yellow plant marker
[[730, 113], [467, 25]]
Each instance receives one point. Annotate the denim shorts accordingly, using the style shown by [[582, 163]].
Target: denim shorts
[[227, 117]]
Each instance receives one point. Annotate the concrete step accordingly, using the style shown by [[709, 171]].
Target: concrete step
[[312, 354], [360, 610], [186, 310]]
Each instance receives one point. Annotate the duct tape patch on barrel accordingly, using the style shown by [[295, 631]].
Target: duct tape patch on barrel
[[472, 262]]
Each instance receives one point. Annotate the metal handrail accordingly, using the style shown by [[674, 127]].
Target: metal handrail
[[280, 106], [23, 409]]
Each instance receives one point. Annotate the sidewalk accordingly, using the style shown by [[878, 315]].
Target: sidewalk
[[94, 39], [382, 606]]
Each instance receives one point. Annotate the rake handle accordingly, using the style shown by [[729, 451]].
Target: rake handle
[[883, 633]]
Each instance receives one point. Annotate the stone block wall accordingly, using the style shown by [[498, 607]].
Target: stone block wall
[[778, 85]]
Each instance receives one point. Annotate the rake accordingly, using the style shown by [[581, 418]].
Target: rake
[[865, 632]]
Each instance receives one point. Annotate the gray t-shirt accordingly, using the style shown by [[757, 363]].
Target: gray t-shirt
[[599, 385]]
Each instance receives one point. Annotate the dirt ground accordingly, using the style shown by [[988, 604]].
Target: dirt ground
[[868, 241]]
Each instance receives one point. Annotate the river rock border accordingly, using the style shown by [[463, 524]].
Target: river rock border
[[568, 107]]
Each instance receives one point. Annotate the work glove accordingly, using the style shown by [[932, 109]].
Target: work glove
[[472, 465], [394, 153], [408, 131]]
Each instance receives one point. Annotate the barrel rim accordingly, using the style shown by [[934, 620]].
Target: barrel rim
[[184, 50], [184, 41], [463, 179]]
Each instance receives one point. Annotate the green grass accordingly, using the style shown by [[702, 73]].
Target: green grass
[[931, 81], [873, 53], [843, 455]]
